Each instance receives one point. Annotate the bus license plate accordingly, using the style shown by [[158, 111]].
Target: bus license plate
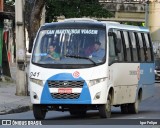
[[65, 90]]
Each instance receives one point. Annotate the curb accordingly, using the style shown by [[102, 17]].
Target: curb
[[19, 109]]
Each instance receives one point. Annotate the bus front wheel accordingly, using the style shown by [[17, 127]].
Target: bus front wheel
[[105, 109], [39, 111]]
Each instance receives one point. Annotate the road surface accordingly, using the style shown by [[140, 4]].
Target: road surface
[[149, 109]]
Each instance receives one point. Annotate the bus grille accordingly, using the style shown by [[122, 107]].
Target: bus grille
[[65, 95], [65, 84]]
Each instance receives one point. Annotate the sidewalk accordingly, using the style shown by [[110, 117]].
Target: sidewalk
[[9, 102]]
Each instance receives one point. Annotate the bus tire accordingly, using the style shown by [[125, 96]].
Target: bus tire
[[105, 109], [134, 107], [124, 108], [39, 111]]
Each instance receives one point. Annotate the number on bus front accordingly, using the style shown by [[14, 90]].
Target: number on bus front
[[34, 74]]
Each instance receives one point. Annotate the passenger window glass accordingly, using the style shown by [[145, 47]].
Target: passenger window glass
[[111, 47], [148, 52], [112, 53], [151, 47], [142, 54], [134, 48], [128, 51], [121, 54]]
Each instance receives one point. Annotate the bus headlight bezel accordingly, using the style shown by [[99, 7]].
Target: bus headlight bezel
[[96, 81], [36, 81]]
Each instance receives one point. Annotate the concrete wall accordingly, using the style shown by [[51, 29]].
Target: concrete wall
[[126, 11], [125, 7]]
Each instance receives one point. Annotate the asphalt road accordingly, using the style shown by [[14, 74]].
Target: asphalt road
[[149, 110]]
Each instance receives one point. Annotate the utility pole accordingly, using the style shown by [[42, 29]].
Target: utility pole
[[21, 87], [154, 24], [43, 15], [146, 13]]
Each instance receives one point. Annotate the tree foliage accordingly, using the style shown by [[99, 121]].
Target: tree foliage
[[75, 8], [133, 23], [32, 18], [9, 2]]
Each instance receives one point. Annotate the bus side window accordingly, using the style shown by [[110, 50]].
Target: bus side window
[[151, 47], [148, 47], [146, 53], [112, 52], [137, 46], [142, 50], [134, 48], [121, 54], [124, 46], [127, 44]]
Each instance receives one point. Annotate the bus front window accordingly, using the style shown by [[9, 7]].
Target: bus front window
[[70, 47]]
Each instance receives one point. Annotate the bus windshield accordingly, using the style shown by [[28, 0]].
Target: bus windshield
[[70, 47]]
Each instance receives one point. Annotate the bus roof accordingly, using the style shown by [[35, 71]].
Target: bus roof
[[91, 22], [127, 27]]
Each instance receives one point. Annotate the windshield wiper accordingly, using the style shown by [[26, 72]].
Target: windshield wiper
[[81, 57]]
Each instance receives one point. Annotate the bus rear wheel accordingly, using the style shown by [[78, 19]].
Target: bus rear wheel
[[39, 111], [134, 107], [105, 109]]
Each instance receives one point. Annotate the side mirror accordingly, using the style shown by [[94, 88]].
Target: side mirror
[[118, 45]]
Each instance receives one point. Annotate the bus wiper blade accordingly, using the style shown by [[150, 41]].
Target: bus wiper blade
[[81, 57]]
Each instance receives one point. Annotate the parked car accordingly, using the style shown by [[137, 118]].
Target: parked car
[[157, 70]]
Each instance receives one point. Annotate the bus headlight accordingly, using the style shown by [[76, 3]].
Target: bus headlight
[[96, 81], [36, 81]]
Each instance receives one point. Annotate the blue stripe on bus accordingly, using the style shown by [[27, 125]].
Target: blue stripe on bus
[[147, 80], [147, 76], [85, 97]]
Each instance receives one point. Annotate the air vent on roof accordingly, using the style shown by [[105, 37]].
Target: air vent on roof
[[80, 20], [113, 22]]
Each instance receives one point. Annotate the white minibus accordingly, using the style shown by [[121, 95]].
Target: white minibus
[[84, 64]]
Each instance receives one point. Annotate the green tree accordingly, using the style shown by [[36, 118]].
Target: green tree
[[133, 23], [75, 8], [33, 11], [9, 2]]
